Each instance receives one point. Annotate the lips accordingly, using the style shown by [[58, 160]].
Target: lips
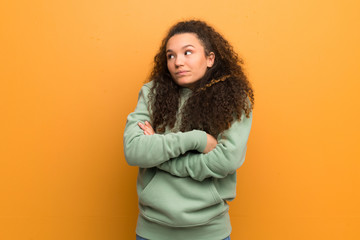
[[181, 73]]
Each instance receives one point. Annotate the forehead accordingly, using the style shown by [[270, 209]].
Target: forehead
[[181, 40]]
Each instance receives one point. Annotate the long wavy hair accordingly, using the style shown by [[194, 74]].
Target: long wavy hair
[[222, 95]]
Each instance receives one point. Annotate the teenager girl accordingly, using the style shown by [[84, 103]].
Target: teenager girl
[[188, 135]]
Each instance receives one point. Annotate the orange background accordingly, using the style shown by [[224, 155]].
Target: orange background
[[70, 73]]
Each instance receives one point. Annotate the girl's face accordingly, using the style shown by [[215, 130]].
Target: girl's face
[[186, 59]]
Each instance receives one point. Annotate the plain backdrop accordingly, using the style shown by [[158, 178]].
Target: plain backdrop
[[70, 73]]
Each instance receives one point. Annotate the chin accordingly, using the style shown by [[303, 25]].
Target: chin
[[183, 83]]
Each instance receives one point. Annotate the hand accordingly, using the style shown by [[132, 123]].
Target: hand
[[210, 144], [147, 128]]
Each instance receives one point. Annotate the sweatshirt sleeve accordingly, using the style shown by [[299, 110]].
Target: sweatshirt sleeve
[[228, 155], [148, 151]]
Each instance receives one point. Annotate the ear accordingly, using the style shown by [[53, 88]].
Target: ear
[[210, 59]]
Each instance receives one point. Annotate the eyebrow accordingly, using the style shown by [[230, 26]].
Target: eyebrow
[[189, 45]]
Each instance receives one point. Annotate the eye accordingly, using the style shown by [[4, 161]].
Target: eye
[[188, 52], [170, 56]]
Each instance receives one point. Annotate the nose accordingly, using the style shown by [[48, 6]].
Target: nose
[[179, 61]]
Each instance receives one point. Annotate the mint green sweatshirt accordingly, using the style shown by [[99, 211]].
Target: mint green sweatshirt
[[182, 192]]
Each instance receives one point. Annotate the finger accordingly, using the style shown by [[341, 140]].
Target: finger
[[147, 132], [149, 126], [142, 126], [147, 129]]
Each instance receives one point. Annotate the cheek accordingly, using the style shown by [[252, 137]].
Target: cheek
[[169, 66], [200, 63], [202, 66]]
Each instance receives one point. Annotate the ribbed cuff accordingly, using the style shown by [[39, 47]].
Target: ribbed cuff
[[201, 140]]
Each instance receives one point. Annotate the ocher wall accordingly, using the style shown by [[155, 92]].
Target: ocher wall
[[71, 72]]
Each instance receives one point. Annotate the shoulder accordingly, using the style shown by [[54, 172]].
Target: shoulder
[[145, 89], [148, 85]]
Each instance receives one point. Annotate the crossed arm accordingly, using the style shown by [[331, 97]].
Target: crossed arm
[[224, 159], [172, 152], [211, 142], [148, 151]]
